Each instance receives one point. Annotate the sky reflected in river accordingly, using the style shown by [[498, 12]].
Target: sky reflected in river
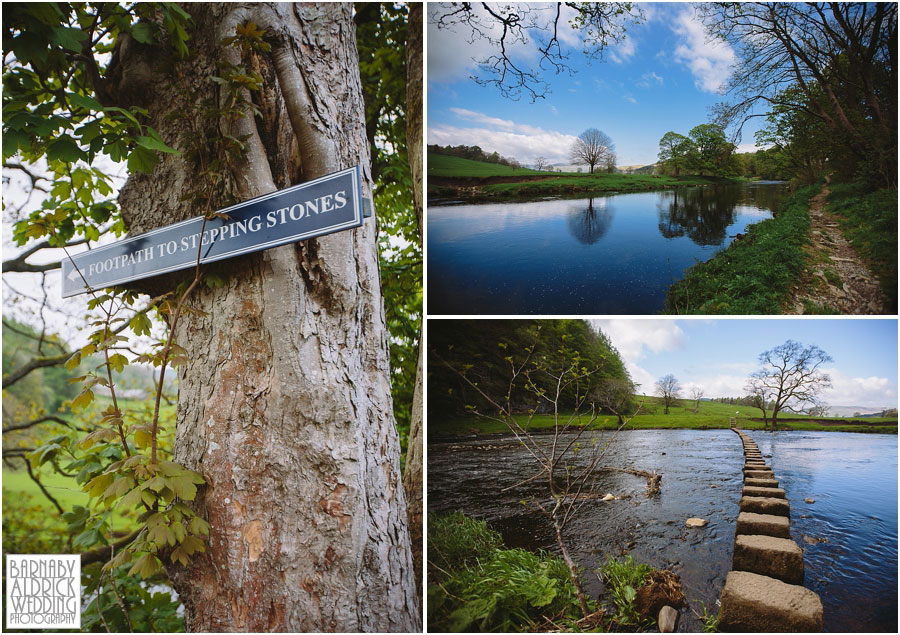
[[613, 254]]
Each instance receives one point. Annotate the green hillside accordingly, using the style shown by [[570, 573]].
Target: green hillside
[[442, 165], [709, 415]]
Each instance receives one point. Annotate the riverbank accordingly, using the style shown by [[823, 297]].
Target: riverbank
[[450, 428], [454, 179], [816, 255]]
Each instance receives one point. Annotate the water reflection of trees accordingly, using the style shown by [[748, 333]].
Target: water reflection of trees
[[704, 214], [588, 225]]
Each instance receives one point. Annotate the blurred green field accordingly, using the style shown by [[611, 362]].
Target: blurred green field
[[709, 415], [447, 166]]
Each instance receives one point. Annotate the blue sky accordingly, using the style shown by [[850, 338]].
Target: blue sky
[[663, 76], [718, 354]]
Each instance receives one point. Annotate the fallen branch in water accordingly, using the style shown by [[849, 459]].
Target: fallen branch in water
[[653, 478]]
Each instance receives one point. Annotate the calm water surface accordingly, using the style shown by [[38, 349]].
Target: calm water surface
[[853, 479], [613, 254]]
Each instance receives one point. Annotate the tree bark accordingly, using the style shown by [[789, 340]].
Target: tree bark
[[285, 407], [412, 477]]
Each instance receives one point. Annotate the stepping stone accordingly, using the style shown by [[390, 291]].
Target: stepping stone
[[771, 492], [767, 473], [754, 603], [763, 525], [765, 505], [755, 462], [779, 558], [761, 482]]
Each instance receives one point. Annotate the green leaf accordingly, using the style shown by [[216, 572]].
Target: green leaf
[[142, 438], [142, 160], [64, 149], [140, 324], [117, 362], [146, 566], [84, 101], [183, 487], [143, 32], [155, 144], [69, 38], [83, 399]]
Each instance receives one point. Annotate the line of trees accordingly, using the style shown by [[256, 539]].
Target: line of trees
[[705, 151], [483, 347], [827, 73], [475, 153]]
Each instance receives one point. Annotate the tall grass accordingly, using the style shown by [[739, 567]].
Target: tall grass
[[474, 584], [754, 275], [869, 221]]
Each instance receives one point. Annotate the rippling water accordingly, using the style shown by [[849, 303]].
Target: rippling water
[[853, 479], [611, 254]]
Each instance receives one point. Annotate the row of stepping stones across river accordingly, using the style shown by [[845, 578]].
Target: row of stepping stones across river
[[763, 591]]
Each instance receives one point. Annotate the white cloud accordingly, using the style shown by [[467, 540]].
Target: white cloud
[[629, 99], [874, 392], [649, 79], [519, 141], [709, 60], [633, 338], [624, 51], [477, 117], [452, 50]]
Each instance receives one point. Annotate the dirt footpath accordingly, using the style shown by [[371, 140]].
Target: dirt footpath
[[838, 278]]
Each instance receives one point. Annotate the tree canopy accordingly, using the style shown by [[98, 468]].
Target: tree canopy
[[484, 349]]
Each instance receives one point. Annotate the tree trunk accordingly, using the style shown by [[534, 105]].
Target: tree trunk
[[412, 477], [285, 404]]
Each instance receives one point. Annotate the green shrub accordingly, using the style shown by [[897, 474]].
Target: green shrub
[[622, 579], [482, 587]]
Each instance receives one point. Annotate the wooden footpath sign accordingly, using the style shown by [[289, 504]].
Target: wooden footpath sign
[[326, 205]]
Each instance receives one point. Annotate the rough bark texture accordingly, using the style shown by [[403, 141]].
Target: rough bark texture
[[285, 407], [412, 477]]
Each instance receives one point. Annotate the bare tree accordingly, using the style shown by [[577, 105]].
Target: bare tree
[[792, 377], [614, 395], [696, 395], [757, 395], [594, 147], [505, 27], [669, 389], [541, 164]]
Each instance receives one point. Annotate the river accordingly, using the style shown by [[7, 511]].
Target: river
[[850, 549], [612, 254]]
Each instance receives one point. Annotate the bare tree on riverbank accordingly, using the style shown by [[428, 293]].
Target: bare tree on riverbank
[[696, 395], [791, 376], [569, 466], [669, 389], [594, 147]]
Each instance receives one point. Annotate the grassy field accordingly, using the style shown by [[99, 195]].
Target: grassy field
[[442, 165], [522, 183], [754, 275], [709, 415]]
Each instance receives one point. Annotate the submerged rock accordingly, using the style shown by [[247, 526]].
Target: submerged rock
[[608, 497], [695, 522], [809, 500]]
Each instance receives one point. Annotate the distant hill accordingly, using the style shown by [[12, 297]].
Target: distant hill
[[441, 165], [849, 411]]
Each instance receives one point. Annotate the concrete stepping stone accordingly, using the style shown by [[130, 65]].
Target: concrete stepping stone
[[771, 492], [752, 524], [766, 473], [753, 603], [765, 505], [761, 482], [779, 558]]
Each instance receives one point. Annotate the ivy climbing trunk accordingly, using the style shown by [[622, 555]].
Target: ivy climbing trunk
[[285, 405]]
